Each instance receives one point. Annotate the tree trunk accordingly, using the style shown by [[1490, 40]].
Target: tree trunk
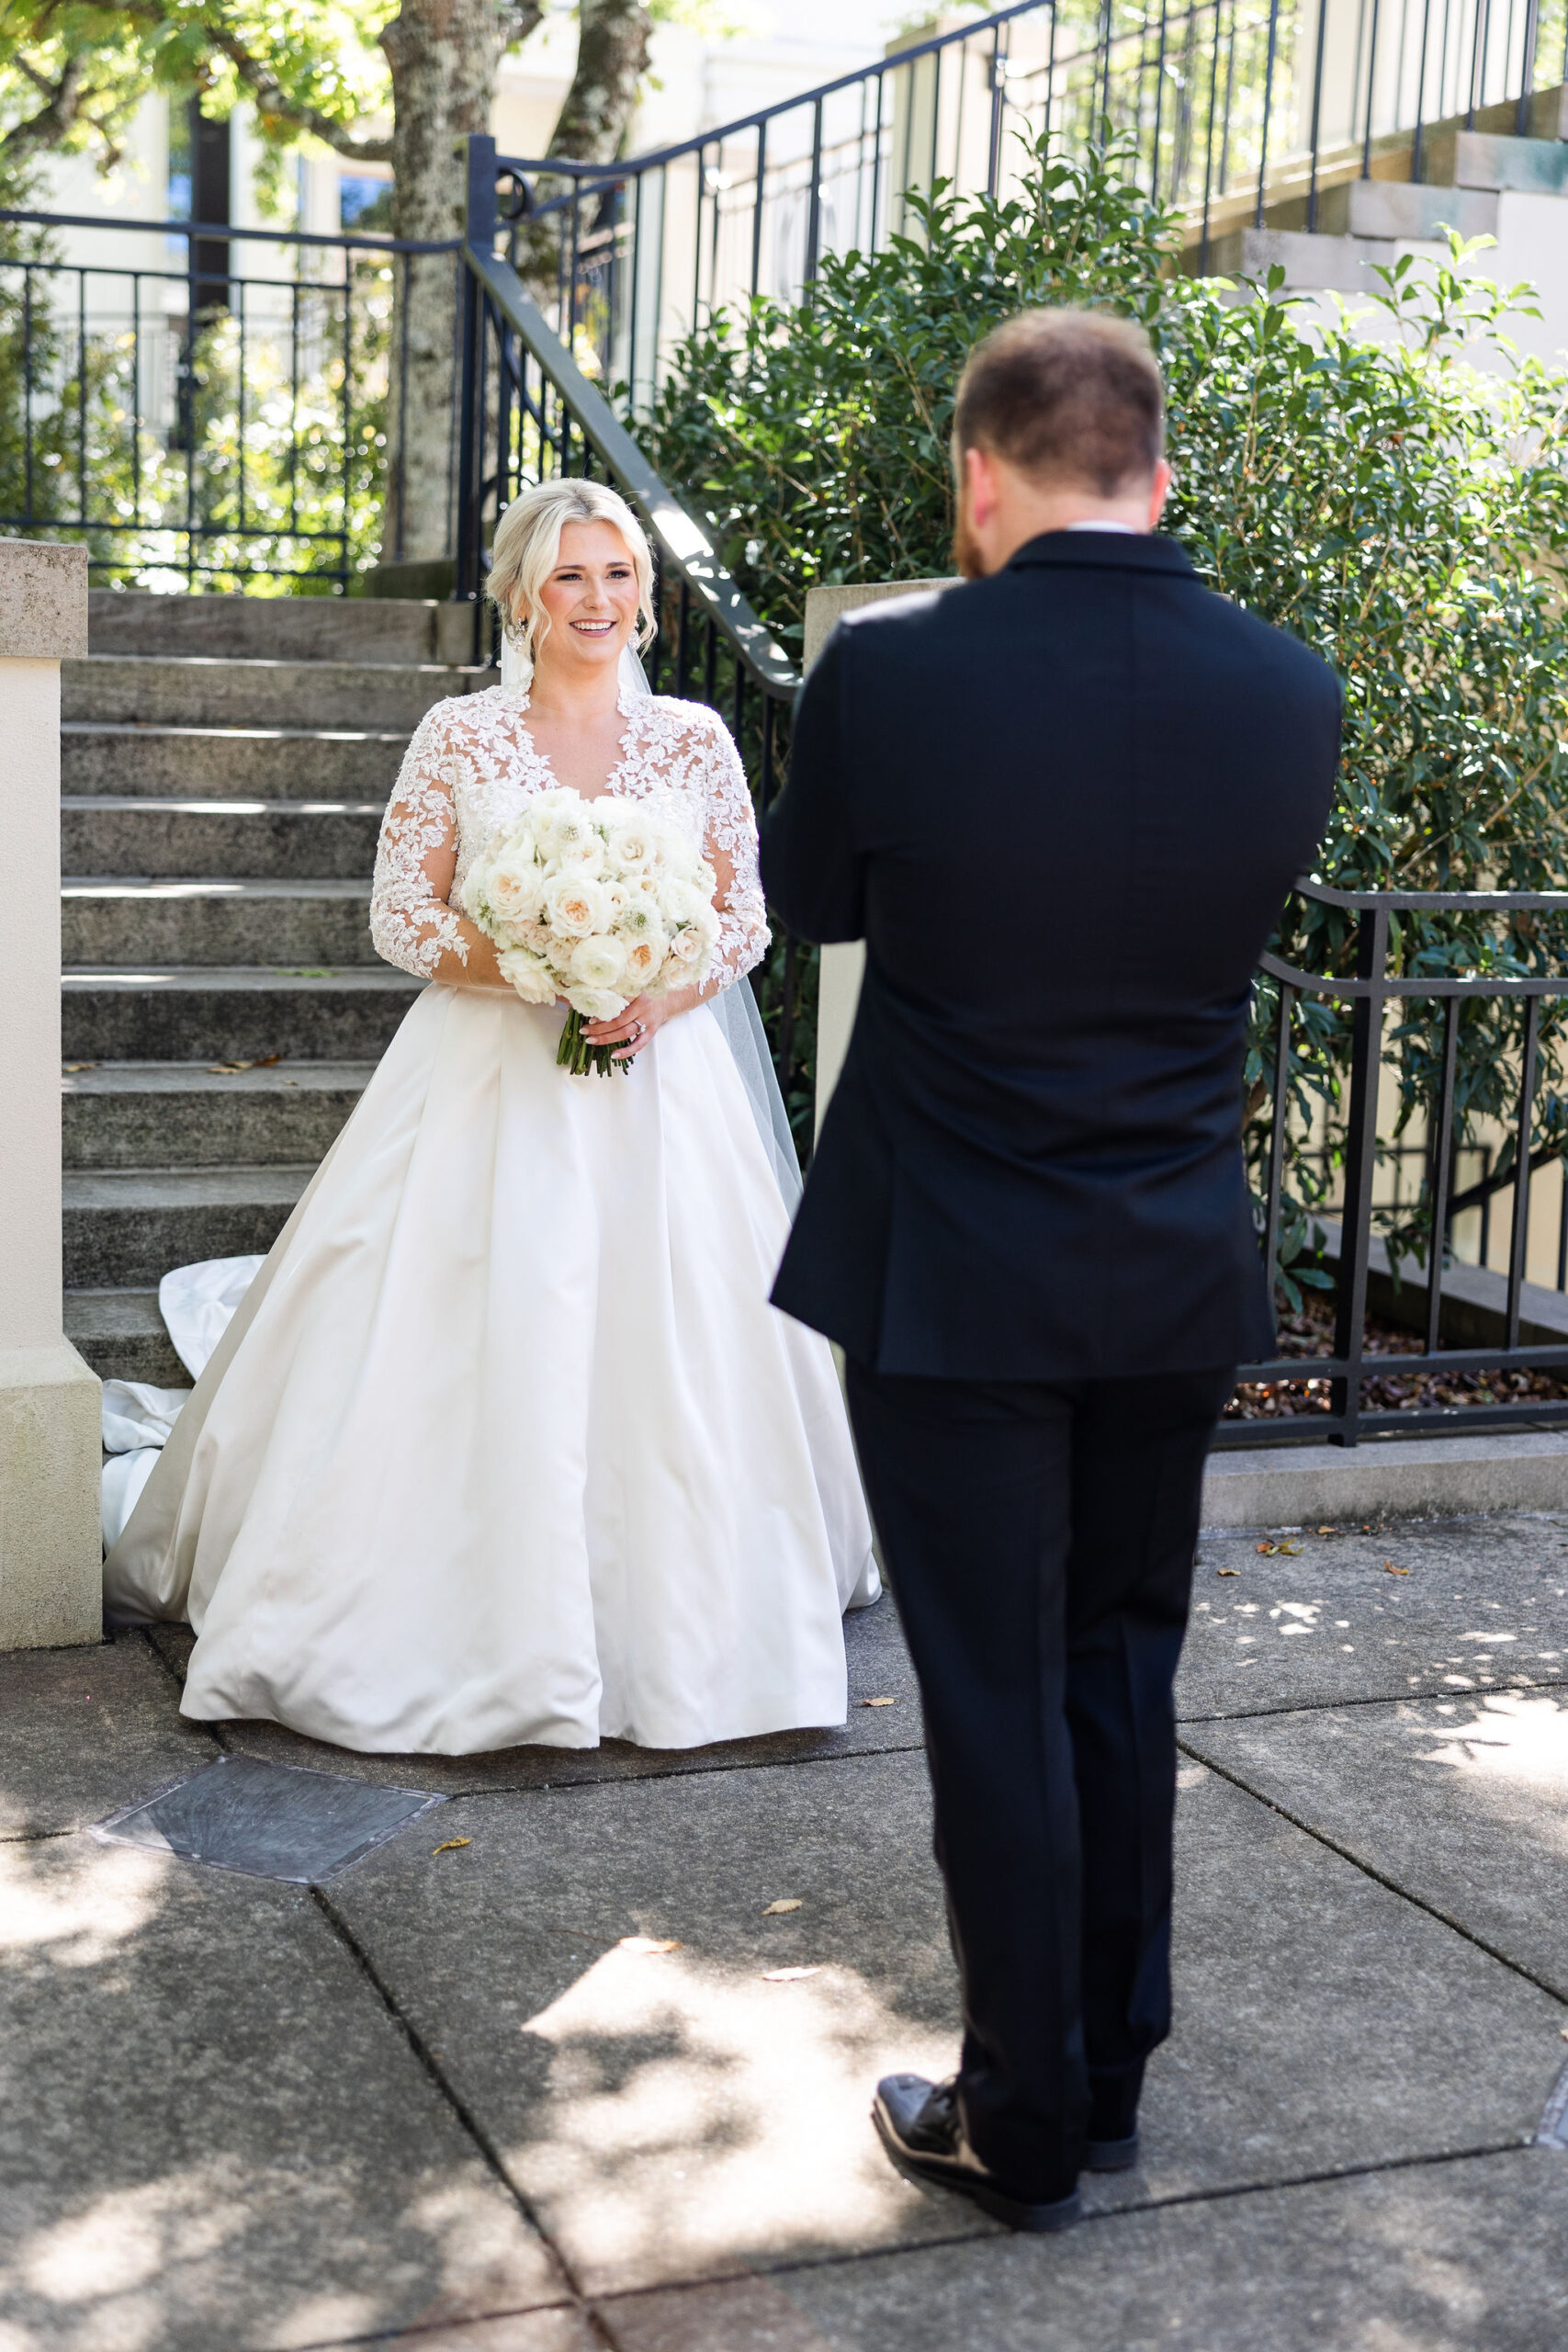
[[612, 57], [443, 55]]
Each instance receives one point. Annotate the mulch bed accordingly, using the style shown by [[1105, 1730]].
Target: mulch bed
[[1311, 1333]]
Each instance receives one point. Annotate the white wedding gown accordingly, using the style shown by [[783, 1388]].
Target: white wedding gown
[[505, 1443]]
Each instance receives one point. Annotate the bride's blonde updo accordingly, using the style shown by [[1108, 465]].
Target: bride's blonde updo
[[527, 547]]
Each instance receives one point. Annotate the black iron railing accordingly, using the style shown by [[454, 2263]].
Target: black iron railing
[[1237, 110], [214, 416], [1350, 1221]]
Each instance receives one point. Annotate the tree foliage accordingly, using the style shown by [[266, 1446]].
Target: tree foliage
[[1366, 485]]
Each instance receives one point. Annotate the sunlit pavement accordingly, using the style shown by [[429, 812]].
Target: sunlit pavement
[[582, 2057]]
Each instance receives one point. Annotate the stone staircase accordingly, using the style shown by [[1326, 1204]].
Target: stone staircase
[[225, 761]]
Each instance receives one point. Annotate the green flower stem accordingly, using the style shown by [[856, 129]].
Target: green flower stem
[[575, 1054]]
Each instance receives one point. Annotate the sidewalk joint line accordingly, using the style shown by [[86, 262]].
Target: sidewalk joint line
[[1379, 1699], [452, 2098], [1370, 1869], [981, 2236], [692, 1772]]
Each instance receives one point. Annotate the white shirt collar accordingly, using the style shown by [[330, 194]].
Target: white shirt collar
[[1131, 530]]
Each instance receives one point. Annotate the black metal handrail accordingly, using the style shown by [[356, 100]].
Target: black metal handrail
[[1368, 991]]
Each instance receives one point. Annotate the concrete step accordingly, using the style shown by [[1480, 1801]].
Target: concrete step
[[145, 1115], [167, 689], [228, 763], [1402, 210], [279, 628], [1537, 167], [126, 919], [304, 840], [124, 1229], [191, 1013], [121, 1334]]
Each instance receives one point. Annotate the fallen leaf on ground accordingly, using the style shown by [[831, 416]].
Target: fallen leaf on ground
[[1229, 1572], [647, 1945], [1291, 1548], [789, 1903], [1268, 1547], [1393, 1571], [227, 1069], [74, 1067], [451, 1845], [879, 1702], [787, 1975], [265, 1062], [1329, 1531]]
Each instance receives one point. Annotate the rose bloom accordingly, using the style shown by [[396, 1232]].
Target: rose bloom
[[598, 962], [631, 843], [681, 903], [643, 961], [527, 975], [573, 908], [688, 946], [513, 889], [595, 1004]]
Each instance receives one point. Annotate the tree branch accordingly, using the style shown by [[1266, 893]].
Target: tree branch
[[54, 121], [269, 96]]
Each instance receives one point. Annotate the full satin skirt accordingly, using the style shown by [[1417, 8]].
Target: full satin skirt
[[505, 1443]]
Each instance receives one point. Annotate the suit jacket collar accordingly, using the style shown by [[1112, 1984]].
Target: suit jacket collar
[[1103, 550]]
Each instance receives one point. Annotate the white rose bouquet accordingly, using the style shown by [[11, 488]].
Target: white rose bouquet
[[595, 900]]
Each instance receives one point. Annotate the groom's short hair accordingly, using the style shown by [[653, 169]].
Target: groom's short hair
[[1066, 397]]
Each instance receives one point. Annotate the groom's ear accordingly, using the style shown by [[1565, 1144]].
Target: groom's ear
[[1159, 492], [978, 487]]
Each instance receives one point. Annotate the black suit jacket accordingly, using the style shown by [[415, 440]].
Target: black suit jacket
[[1063, 806]]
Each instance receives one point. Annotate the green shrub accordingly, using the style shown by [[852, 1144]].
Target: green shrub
[[1401, 509]]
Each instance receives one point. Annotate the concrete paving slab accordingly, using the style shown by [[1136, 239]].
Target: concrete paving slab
[[557, 2331], [82, 1731], [729, 2314], [1454, 2257], [212, 2134], [879, 1669], [672, 2110], [1463, 1801], [1482, 1604]]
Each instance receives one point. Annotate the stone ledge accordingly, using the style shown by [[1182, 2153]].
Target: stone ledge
[[43, 601], [50, 1540], [1445, 1477]]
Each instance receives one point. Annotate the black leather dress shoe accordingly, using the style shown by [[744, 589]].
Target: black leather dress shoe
[[918, 2125], [1111, 2155]]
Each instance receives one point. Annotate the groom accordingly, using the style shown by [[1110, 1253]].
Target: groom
[[1062, 804]]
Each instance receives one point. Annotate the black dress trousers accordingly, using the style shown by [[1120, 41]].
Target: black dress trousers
[[1039, 1537]]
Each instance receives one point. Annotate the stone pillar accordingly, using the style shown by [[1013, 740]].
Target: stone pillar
[[50, 1551], [838, 990]]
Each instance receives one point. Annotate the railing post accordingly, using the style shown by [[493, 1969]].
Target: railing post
[[479, 232], [1360, 1164], [479, 226], [1527, 69], [1267, 104]]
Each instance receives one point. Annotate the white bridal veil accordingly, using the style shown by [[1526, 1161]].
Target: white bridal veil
[[734, 1008]]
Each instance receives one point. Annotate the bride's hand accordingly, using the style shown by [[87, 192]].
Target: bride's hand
[[634, 1029]]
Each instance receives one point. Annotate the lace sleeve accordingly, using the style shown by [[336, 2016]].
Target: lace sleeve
[[410, 922], [731, 850]]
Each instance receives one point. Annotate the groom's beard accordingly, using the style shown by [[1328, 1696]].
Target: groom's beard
[[966, 558]]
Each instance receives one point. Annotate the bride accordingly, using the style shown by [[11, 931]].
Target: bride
[[505, 1443]]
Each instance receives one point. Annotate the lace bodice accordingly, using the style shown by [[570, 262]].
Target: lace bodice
[[472, 764]]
